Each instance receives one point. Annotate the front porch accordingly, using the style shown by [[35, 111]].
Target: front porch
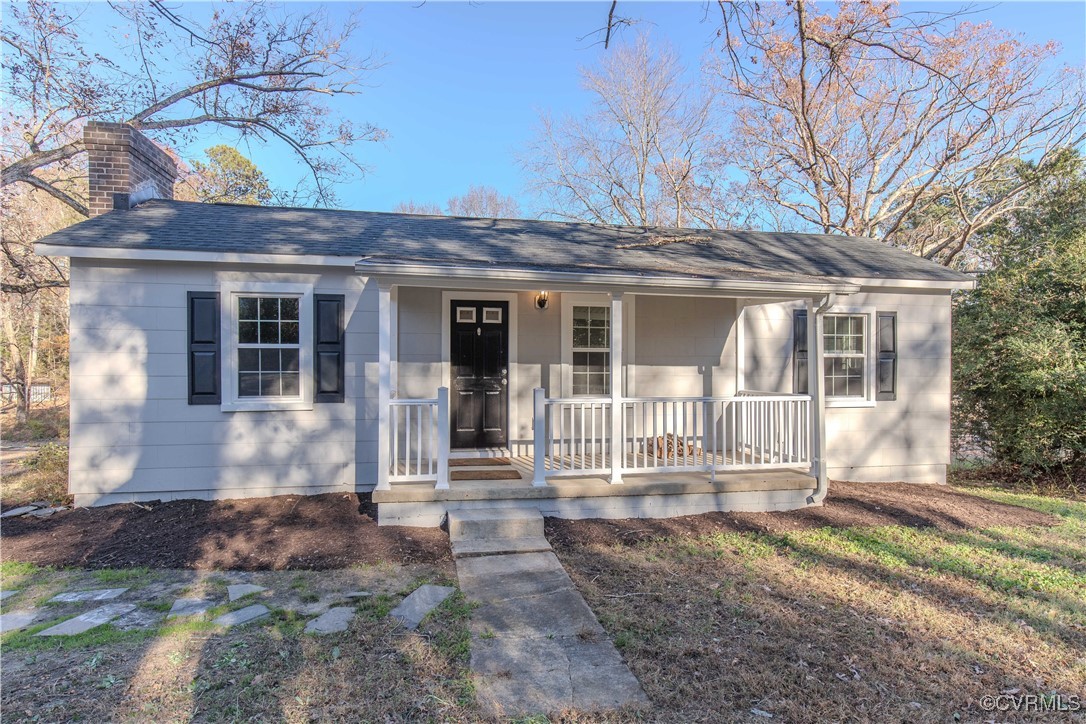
[[642, 495], [589, 426]]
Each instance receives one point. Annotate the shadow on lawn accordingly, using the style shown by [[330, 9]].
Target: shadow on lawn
[[716, 632]]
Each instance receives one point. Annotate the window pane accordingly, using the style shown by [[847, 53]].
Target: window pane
[[269, 308], [246, 307], [291, 385], [248, 384], [288, 308], [269, 385], [269, 332], [580, 384], [247, 332], [249, 360], [580, 337], [598, 338], [269, 360], [288, 333], [290, 360], [581, 316]]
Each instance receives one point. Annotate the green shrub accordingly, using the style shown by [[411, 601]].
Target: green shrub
[[1020, 358]]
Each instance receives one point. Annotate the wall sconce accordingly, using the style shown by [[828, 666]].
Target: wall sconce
[[542, 300]]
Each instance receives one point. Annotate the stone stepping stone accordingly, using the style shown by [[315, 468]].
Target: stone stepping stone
[[189, 607], [16, 620], [22, 510], [421, 602], [242, 615], [334, 620], [139, 619], [98, 594], [241, 590], [5, 594], [87, 621]]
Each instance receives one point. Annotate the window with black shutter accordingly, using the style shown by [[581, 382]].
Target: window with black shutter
[[800, 379], [328, 348], [205, 358], [886, 366]]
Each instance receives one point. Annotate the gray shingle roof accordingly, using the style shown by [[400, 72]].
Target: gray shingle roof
[[497, 243]]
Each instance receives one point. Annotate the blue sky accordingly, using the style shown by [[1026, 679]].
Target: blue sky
[[463, 84]]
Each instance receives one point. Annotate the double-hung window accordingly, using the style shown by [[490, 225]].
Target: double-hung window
[[849, 357], [846, 355], [268, 356], [269, 347], [591, 350]]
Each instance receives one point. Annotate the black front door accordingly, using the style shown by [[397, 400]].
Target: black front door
[[480, 373]]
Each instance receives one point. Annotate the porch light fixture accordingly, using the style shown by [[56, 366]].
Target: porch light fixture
[[542, 300]]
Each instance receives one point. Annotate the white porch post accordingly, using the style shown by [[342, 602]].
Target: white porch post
[[618, 446], [384, 382], [816, 386], [443, 440], [539, 435]]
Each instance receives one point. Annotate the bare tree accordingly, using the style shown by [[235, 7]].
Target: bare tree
[[33, 302], [250, 68], [483, 202], [415, 207], [902, 125], [642, 156]]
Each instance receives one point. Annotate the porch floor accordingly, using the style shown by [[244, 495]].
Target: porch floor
[[596, 486]]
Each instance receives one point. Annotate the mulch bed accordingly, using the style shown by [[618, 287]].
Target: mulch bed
[[847, 505], [315, 532], [336, 530]]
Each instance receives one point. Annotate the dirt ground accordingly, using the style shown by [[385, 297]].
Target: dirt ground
[[337, 530], [315, 532], [847, 505]]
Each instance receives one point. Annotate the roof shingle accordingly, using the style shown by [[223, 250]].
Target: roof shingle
[[497, 243]]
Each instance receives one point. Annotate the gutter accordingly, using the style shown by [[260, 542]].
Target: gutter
[[822, 479]]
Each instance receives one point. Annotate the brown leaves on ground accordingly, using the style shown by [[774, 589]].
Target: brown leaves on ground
[[287, 531]]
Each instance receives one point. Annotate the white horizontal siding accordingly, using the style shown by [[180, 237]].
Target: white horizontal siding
[[905, 439], [135, 436]]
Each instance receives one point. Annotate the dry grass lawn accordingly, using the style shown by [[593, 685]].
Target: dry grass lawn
[[857, 624], [190, 670]]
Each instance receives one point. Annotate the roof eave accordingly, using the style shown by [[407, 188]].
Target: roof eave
[[517, 279]]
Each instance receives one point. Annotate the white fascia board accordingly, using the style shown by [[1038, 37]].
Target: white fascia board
[[207, 257], [932, 284], [519, 279]]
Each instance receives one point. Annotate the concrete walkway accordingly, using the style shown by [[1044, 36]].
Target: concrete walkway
[[536, 646]]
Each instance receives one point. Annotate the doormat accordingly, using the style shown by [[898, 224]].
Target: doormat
[[476, 462], [484, 475]]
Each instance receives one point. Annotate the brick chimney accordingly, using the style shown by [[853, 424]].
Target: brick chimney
[[124, 167]]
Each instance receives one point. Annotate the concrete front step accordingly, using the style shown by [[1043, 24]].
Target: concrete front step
[[491, 523], [499, 546]]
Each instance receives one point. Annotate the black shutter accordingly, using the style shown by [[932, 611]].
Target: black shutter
[[205, 358], [328, 348], [799, 352], [886, 376]]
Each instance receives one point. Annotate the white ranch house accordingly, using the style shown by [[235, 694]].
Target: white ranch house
[[223, 351]]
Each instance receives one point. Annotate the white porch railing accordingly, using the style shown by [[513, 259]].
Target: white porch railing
[[419, 440], [574, 436], [671, 434], [716, 433]]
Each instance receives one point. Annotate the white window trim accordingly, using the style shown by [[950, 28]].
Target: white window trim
[[868, 400], [229, 294]]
